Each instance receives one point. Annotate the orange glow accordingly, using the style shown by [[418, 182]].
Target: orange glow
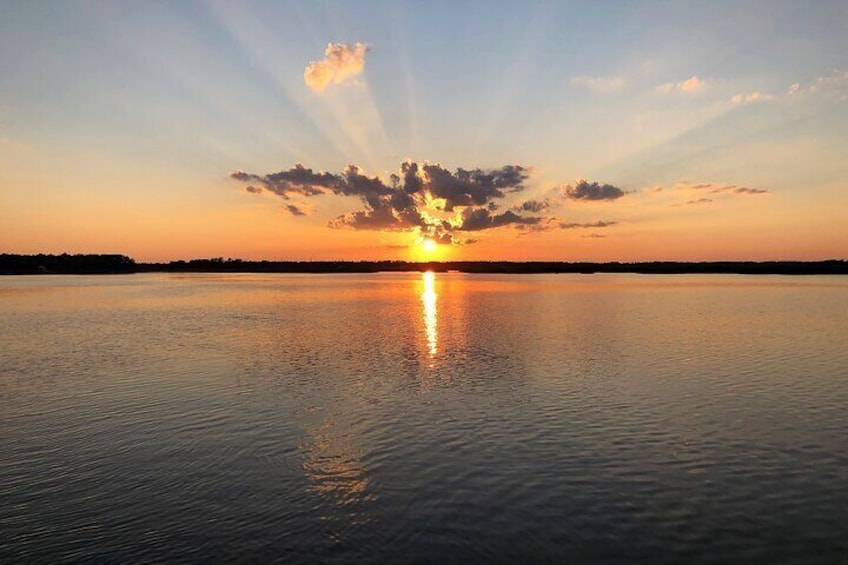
[[429, 246], [426, 249]]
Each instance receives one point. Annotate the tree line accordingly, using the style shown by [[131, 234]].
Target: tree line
[[11, 264]]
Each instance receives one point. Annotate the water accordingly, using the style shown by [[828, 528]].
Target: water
[[413, 418]]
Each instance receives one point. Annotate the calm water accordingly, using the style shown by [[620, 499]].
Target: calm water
[[424, 418]]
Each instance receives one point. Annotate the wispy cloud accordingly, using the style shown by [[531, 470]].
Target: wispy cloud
[[755, 96], [688, 86], [836, 83], [341, 61], [694, 201], [716, 188], [586, 225], [600, 84], [695, 192]]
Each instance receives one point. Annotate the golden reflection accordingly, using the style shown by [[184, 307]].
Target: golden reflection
[[333, 466], [428, 299]]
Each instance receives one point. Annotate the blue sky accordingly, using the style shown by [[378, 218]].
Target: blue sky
[[148, 106]]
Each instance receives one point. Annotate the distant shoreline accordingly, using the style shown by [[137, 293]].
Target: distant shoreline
[[11, 264]]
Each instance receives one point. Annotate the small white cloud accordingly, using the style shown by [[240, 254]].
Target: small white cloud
[[836, 83], [341, 61], [755, 96], [600, 84], [690, 85]]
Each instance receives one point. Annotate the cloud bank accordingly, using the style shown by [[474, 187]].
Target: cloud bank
[[341, 61], [755, 96], [426, 197]]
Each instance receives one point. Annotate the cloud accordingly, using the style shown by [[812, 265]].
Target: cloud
[[476, 219], [744, 190], [717, 188], [592, 191], [419, 197], [716, 191], [380, 218], [473, 187], [429, 199], [534, 206], [755, 96], [341, 61], [297, 180], [600, 84], [577, 225], [834, 84], [693, 202], [689, 86], [294, 210]]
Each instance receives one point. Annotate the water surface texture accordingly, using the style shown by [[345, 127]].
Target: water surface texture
[[421, 418]]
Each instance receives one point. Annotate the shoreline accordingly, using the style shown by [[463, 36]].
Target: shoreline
[[121, 264]]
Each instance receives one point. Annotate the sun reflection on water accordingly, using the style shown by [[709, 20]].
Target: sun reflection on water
[[428, 299]]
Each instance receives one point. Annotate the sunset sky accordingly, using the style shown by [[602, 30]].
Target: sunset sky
[[514, 131]]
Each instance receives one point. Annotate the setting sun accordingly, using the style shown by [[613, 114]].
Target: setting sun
[[429, 246]]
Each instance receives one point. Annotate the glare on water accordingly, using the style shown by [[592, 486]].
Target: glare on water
[[428, 300]]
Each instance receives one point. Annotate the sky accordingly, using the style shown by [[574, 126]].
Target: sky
[[570, 131]]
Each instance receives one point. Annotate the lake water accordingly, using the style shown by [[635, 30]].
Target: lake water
[[421, 418]]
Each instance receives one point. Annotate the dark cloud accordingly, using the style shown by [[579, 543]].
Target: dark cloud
[[693, 202], [584, 190], [475, 187], [744, 190], [380, 218], [411, 180], [577, 225], [297, 180], [534, 206], [354, 183], [294, 210], [442, 237], [242, 176], [718, 188], [416, 197], [476, 219]]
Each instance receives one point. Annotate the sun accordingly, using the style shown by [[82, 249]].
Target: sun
[[426, 248], [429, 246]]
